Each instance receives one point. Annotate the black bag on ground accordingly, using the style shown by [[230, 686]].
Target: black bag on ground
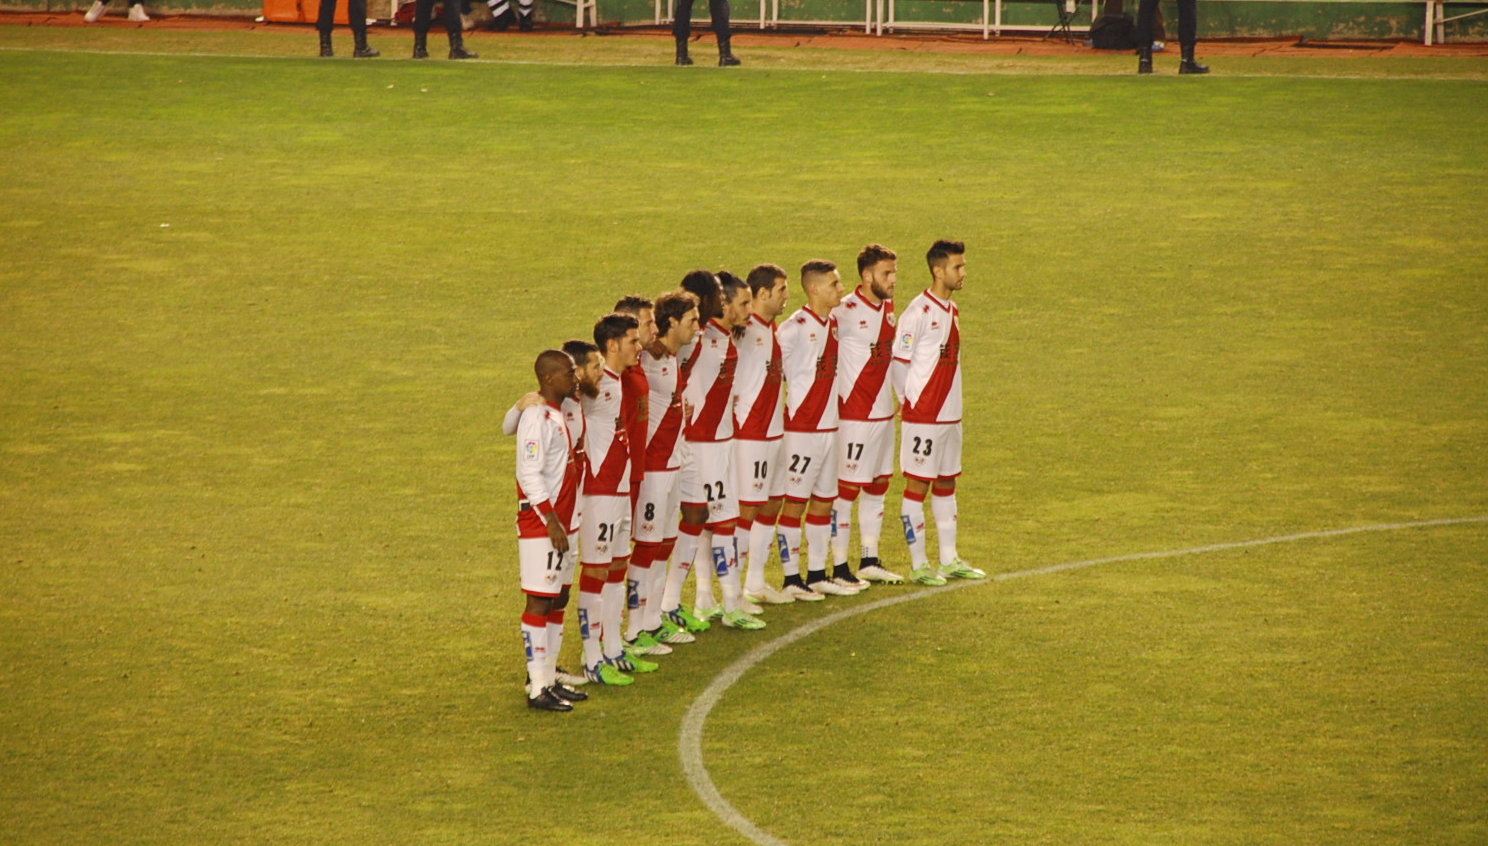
[[1114, 32]]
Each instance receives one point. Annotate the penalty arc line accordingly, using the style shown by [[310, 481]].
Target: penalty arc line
[[690, 738]]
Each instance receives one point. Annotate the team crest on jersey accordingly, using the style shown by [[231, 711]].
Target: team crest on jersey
[[890, 319], [529, 450]]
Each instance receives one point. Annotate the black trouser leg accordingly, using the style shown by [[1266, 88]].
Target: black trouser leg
[[423, 11], [327, 18], [452, 25], [1188, 25], [1145, 12], [682, 23], [719, 11]]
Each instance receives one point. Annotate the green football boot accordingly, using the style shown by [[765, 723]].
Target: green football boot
[[927, 576], [959, 569]]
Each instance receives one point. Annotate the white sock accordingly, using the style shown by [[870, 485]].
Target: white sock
[[535, 638], [870, 523], [637, 598], [789, 531], [818, 545], [659, 575], [944, 509], [555, 646], [702, 563], [589, 610], [760, 535], [726, 561], [682, 557], [612, 615], [841, 529], [912, 512]]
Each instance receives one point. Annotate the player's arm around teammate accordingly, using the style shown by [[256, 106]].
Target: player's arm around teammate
[[548, 479], [927, 374]]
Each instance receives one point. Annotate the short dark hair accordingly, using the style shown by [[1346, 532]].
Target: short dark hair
[[551, 361], [633, 304], [873, 254], [764, 277], [704, 285], [731, 285], [611, 326], [671, 307], [579, 351], [942, 250], [816, 267]]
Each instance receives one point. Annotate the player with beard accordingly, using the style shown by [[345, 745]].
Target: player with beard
[[927, 376], [865, 441], [708, 482], [656, 512], [760, 421], [604, 531], [703, 285], [635, 402], [548, 476]]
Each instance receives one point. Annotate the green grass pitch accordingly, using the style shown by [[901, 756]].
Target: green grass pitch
[[260, 315]]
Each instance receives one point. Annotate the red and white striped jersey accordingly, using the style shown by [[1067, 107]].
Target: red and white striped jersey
[[866, 336], [606, 441], [664, 430], [929, 347], [709, 396], [548, 471], [808, 346], [757, 412]]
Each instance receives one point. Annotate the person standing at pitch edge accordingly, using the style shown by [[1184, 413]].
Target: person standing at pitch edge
[[718, 10], [356, 15], [423, 13], [1188, 35]]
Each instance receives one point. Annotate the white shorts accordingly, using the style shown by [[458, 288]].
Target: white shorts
[[545, 572], [604, 534], [866, 450], [930, 451], [709, 479], [810, 460], [656, 511], [756, 463]]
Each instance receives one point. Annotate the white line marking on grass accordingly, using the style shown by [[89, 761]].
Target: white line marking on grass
[[690, 739]]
